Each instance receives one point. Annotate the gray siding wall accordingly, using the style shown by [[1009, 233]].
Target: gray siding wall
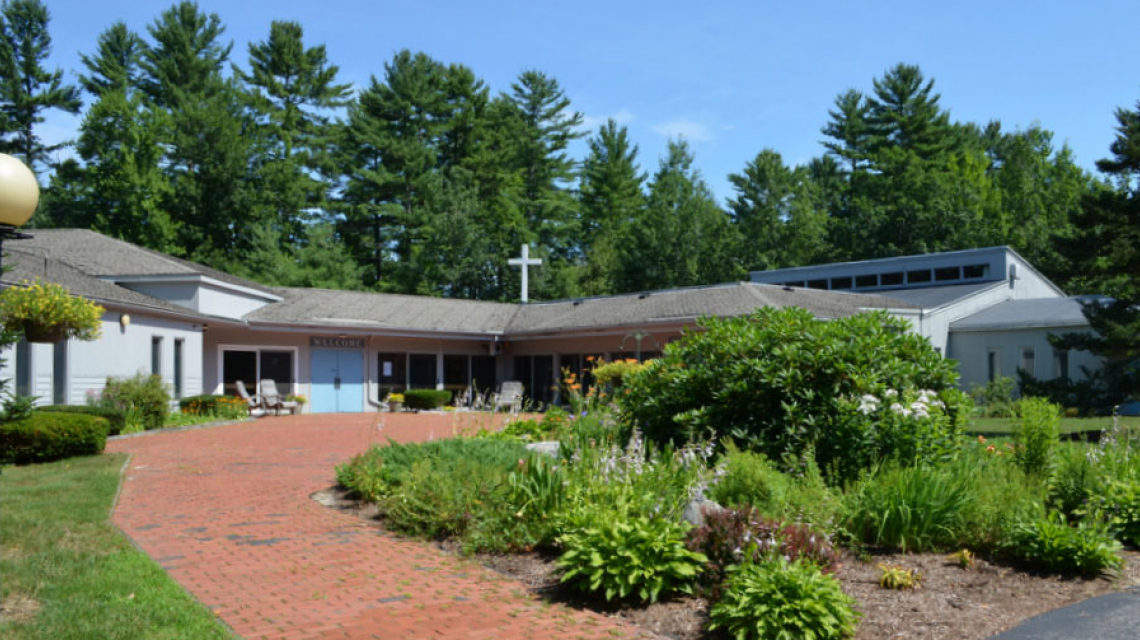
[[971, 349]]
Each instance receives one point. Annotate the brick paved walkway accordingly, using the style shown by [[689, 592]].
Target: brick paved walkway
[[226, 511]]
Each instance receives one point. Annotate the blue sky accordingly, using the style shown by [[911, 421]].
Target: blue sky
[[732, 77]]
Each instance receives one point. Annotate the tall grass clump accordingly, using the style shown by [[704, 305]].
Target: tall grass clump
[[1037, 430], [919, 508]]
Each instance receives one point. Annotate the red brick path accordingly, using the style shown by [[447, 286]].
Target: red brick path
[[226, 511]]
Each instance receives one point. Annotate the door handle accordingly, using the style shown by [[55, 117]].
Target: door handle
[[336, 383]]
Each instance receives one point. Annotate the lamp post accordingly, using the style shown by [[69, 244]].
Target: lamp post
[[19, 195]]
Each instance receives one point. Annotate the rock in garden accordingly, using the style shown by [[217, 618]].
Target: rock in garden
[[696, 510], [546, 448]]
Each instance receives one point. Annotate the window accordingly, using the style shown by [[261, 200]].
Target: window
[[422, 371], [972, 271], [251, 365], [1061, 364], [156, 355], [524, 366], [993, 365], [23, 368], [455, 371], [59, 373], [841, 283], [867, 281], [947, 273], [890, 279], [178, 384], [796, 283], [393, 370], [239, 366], [276, 366], [817, 284], [483, 374], [1029, 360], [922, 275], [544, 380]]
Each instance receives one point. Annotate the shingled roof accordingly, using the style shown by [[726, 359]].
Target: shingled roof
[[87, 263]]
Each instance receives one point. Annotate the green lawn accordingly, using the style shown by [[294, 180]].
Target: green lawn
[[1000, 426], [68, 573]]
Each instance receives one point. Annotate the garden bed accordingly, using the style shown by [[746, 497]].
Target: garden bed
[[952, 603]]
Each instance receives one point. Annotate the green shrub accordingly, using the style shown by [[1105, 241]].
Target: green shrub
[[918, 508], [144, 394], [115, 418], [751, 479], [1087, 549], [224, 407], [642, 556], [426, 398], [995, 398], [1003, 494], [46, 436], [779, 381], [1036, 431], [1072, 481], [783, 600], [1118, 503]]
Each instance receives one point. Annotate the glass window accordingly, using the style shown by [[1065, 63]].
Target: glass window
[[178, 368], [921, 275], [975, 270], [156, 355], [867, 281], [947, 273], [544, 382], [889, 279], [841, 283], [278, 367], [422, 371], [524, 366], [993, 365], [1061, 364], [796, 283], [455, 371], [393, 370], [817, 284], [483, 375], [1029, 360], [239, 365]]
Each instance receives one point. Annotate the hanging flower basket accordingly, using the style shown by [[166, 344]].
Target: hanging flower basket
[[35, 332], [47, 312]]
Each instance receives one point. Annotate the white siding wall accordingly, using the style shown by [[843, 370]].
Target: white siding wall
[[971, 349], [227, 304]]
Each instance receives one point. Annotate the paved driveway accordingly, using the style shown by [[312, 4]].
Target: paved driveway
[[226, 511]]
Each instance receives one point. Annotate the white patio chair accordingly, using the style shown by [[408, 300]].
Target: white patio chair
[[274, 400], [510, 395]]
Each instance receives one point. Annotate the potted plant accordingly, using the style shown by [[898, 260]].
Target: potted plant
[[395, 402], [46, 312]]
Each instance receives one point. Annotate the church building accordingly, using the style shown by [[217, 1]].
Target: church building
[[203, 330]]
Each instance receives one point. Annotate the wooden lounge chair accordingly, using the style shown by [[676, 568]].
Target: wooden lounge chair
[[274, 400], [254, 404], [510, 395]]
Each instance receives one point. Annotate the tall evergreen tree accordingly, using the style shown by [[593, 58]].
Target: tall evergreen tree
[[27, 89], [849, 130], [115, 66], [612, 198], [684, 238], [294, 88]]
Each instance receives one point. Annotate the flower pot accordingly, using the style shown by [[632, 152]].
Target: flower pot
[[52, 333], [395, 406]]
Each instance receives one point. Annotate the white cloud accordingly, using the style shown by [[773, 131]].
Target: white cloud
[[621, 116], [683, 128]]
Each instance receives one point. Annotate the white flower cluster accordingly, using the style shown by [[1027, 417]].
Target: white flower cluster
[[919, 407]]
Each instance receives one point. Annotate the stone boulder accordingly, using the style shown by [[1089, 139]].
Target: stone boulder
[[546, 448], [695, 511]]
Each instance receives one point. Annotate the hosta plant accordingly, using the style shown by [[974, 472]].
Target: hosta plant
[[1087, 549], [893, 576], [1119, 505], [641, 557], [783, 600]]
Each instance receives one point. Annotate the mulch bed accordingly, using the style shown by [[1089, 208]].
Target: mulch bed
[[951, 603]]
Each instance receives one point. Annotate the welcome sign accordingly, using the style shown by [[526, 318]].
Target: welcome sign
[[336, 343]]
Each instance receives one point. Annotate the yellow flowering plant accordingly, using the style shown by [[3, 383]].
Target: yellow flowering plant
[[47, 312]]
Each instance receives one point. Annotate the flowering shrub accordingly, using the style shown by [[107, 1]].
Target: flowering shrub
[[222, 407], [46, 312], [914, 424], [728, 535], [780, 381]]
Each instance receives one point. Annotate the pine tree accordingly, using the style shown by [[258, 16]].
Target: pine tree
[[27, 89], [115, 65], [293, 88], [612, 198], [904, 117], [684, 238], [849, 130]]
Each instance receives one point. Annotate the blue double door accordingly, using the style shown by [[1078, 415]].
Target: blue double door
[[338, 381]]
